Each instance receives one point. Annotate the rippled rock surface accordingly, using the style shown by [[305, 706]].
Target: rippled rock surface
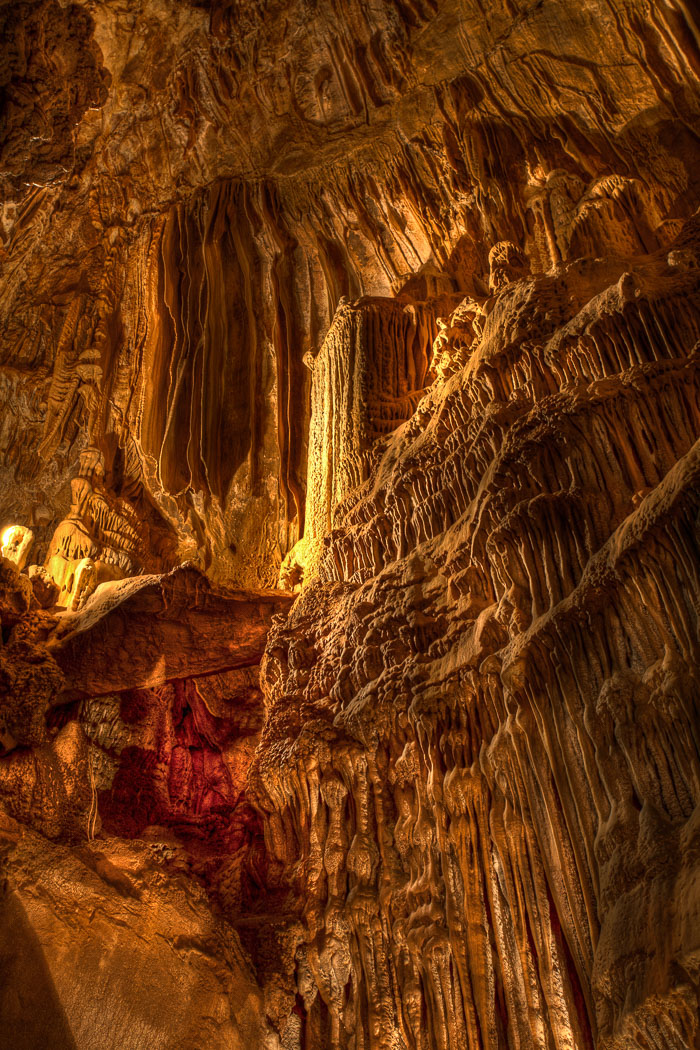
[[350, 525]]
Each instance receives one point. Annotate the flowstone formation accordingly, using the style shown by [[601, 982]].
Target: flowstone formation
[[350, 525], [98, 541], [482, 721]]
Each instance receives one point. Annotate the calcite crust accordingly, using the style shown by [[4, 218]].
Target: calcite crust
[[349, 525]]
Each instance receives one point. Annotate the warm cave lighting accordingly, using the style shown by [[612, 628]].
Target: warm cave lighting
[[417, 281]]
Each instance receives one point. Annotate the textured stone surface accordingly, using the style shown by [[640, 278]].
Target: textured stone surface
[[145, 631], [140, 905], [482, 710], [183, 215], [99, 948], [395, 304]]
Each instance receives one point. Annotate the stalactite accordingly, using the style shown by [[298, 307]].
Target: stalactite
[[389, 314], [538, 818]]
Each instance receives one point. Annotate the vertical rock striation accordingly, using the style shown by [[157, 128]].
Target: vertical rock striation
[[367, 379], [181, 220], [395, 304], [482, 727]]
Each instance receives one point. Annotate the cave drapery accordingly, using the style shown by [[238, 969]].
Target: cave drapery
[[350, 525]]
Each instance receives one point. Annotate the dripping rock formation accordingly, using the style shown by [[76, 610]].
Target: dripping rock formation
[[350, 525]]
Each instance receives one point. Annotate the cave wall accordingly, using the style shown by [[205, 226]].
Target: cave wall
[[189, 190], [405, 293], [482, 721]]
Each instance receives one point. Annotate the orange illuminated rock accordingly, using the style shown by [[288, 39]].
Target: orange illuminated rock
[[101, 948], [482, 711], [396, 306], [143, 632]]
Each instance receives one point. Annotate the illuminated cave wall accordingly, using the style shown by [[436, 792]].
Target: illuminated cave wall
[[190, 189], [400, 300]]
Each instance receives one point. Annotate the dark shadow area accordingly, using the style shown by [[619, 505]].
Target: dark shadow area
[[31, 1014]]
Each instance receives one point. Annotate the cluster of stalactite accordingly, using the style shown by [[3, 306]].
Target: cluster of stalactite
[[481, 757], [402, 298], [367, 379], [167, 266]]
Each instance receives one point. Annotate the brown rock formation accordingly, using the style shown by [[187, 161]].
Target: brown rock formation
[[396, 305], [144, 632], [100, 950], [128, 730], [464, 703], [245, 166]]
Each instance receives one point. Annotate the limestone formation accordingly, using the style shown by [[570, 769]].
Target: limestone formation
[[45, 590], [367, 379], [350, 525], [101, 539], [501, 631], [16, 544]]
